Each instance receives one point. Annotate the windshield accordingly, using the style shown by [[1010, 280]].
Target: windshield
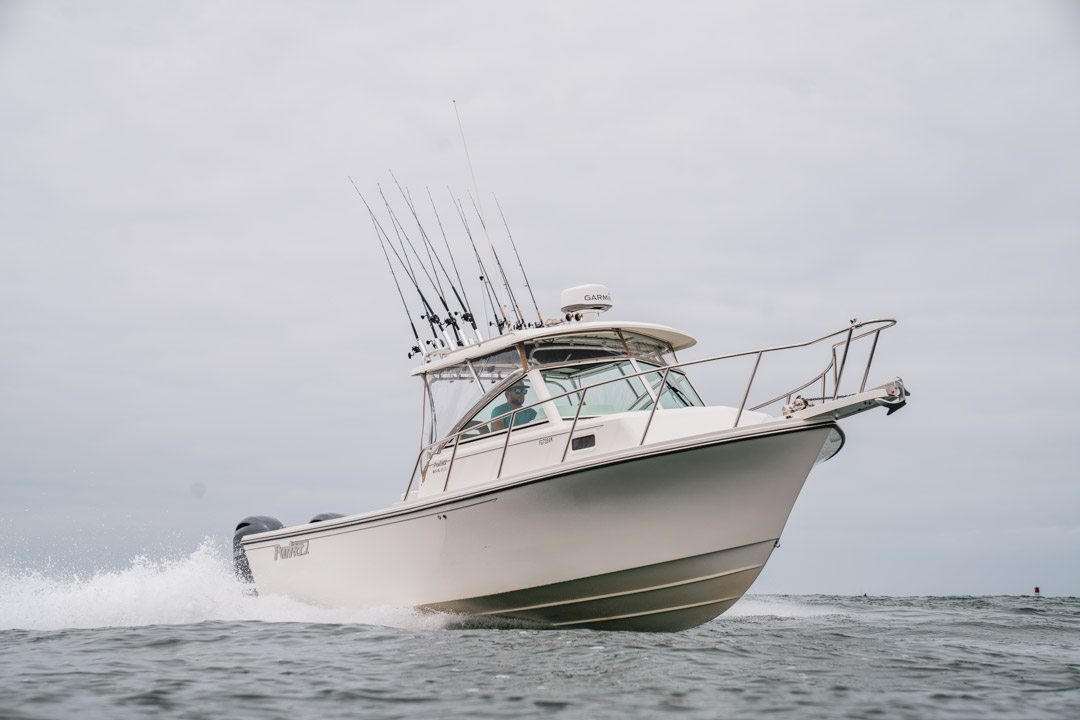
[[626, 395], [678, 392], [453, 393]]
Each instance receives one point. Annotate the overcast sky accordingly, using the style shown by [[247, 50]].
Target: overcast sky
[[196, 323]]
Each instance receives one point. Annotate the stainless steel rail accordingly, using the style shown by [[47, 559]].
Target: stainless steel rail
[[874, 328]]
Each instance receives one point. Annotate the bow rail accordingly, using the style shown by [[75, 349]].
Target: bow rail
[[870, 328]]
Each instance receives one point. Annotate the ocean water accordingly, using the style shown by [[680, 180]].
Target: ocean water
[[181, 639]]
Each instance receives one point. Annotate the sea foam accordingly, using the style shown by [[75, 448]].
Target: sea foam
[[195, 588]]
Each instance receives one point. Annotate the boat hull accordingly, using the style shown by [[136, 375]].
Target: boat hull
[[668, 596], [663, 539]]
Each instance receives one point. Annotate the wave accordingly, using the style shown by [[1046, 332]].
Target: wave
[[788, 606], [199, 587]]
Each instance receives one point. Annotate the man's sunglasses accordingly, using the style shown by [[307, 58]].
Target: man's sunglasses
[[519, 391]]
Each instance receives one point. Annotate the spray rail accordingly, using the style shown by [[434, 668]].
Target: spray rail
[[831, 379]]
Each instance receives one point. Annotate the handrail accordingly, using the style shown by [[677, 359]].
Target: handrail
[[656, 403], [832, 364], [508, 418], [573, 425]]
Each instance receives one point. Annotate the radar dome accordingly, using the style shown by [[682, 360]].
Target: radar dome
[[585, 302]]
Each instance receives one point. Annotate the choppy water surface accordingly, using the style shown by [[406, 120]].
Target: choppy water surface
[[181, 640]]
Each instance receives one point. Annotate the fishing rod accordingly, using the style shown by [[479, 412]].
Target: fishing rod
[[441, 338], [382, 234], [479, 211], [485, 281], [453, 262], [465, 313], [400, 232], [415, 349], [498, 264], [423, 235], [528, 287], [487, 289]]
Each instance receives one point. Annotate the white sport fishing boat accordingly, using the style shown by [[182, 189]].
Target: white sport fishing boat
[[573, 476]]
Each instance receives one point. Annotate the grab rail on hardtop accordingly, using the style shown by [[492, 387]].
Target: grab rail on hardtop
[[874, 328]]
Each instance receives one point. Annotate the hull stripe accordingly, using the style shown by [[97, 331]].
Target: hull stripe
[[691, 581], [649, 612]]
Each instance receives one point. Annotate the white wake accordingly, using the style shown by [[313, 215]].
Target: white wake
[[180, 591]]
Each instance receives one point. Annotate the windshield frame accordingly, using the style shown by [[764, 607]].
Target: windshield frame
[[664, 354]]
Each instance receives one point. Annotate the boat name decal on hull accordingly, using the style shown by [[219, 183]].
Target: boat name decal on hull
[[294, 549]]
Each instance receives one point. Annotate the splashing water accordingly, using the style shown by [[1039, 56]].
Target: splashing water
[[201, 587], [197, 588]]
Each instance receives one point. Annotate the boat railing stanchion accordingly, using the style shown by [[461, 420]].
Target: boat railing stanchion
[[873, 347], [457, 441], [425, 465], [656, 404], [746, 395], [509, 428], [834, 366], [573, 425], [412, 477], [843, 361]]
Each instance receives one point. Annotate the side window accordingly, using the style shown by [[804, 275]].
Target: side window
[[518, 395]]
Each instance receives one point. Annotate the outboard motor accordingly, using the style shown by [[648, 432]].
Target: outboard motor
[[249, 526], [325, 516]]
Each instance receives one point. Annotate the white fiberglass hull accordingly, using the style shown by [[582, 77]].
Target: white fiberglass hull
[[664, 538]]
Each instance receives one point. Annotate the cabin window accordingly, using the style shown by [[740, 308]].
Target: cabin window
[[517, 395]]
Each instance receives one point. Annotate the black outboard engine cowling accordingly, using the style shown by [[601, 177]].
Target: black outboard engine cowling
[[249, 526], [325, 516]]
